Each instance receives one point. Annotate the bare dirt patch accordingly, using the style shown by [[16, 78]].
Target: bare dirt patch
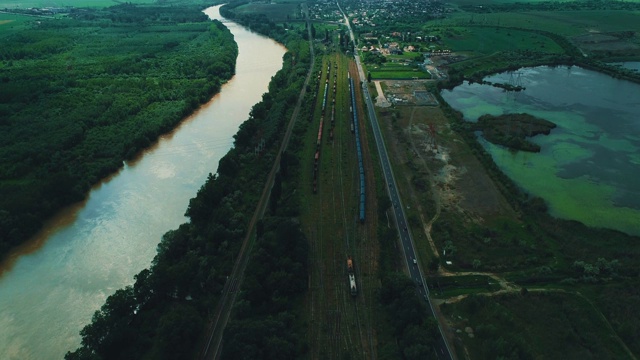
[[422, 136], [409, 92]]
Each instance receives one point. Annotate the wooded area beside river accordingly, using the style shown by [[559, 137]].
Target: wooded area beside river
[[82, 93]]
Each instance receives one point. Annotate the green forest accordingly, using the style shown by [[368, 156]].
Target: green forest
[[82, 93], [165, 313]]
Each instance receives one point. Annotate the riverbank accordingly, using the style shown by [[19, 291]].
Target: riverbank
[[100, 246], [182, 286], [78, 98]]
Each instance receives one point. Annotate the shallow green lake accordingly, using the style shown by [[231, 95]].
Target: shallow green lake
[[589, 166]]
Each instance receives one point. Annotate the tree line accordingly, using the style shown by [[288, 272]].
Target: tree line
[[265, 321]]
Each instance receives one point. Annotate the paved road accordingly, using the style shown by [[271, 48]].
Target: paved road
[[408, 248]]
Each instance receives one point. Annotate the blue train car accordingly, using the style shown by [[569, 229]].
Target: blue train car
[[355, 128]]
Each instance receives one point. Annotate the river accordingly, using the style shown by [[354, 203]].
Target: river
[[50, 287], [589, 166]]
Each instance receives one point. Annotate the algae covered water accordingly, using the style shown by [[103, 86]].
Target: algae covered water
[[589, 166]]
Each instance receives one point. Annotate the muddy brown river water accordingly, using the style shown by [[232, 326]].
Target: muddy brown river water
[[50, 287]]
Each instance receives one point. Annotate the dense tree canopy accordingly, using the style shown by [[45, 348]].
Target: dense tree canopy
[[415, 330], [81, 94]]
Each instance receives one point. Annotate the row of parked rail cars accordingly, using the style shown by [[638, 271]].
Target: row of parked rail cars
[[356, 129], [316, 158], [353, 289]]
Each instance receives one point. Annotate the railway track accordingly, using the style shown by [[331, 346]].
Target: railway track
[[340, 324], [368, 246], [213, 341]]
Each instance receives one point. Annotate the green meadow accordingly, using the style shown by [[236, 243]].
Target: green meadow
[[567, 23], [11, 24], [534, 325], [487, 40]]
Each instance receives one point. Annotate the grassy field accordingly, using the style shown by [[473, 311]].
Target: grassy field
[[618, 302], [399, 74], [11, 24], [487, 40], [535, 325], [390, 70], [567, 23]]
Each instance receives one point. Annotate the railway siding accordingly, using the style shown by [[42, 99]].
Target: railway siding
[[340, 323]]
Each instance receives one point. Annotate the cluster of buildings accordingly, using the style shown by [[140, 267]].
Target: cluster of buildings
[[389, 49], [376, 12], [379, 12], [397, 43]]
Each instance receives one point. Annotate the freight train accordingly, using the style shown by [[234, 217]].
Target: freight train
[[316, 157], [356, 131]]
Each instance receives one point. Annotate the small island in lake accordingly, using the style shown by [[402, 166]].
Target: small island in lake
[[511, 130]]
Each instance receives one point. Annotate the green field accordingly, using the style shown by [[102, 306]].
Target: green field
[[567, 23], [397, 71], [487, 40], [536, 325], [399, 75], [11, 24]]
